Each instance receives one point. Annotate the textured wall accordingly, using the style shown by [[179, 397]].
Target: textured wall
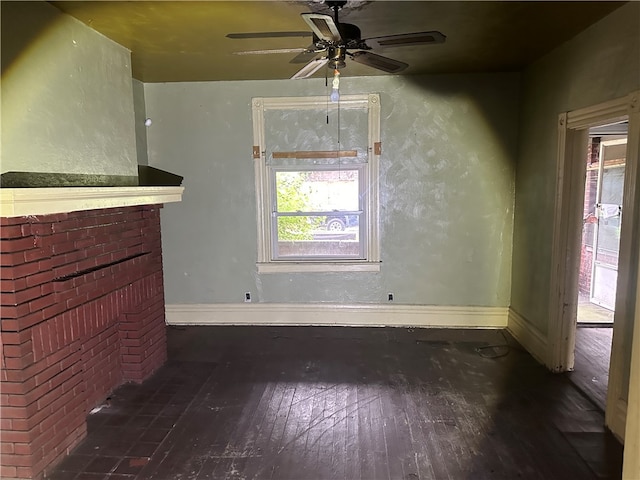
[[600, 64], [447, 189], [67, 100]]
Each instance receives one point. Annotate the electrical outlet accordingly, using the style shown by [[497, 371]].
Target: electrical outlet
[[247, 296], [390, 297]]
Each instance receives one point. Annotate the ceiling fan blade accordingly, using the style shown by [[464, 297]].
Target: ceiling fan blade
[[276, 50], [310, 68], [406, 39], [378, 61], [269, 34], [323, 26], [306, 55]]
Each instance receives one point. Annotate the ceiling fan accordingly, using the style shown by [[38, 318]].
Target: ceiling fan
[[341, 40]]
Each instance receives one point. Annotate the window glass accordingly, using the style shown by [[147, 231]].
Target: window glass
[[318, 213]]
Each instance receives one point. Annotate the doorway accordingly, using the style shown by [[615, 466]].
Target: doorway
[[574, 130], [599, 256], [602, 219]]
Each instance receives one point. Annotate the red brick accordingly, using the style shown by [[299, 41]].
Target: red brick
[[39, 278], [78, 234], [12, 220], [58, 248], [17, 350], [52, 419], [53, 310], [22, 449], [17, 244], [36, 254], [19, 271], [28, 320], [67, 258], [25, 472], [6, 448], [7, 471], [41, 229], [17, 460], [15, 338], [12, 388], [9, 286], [27, 294], [11, 231], [10, 325], [14, 311], [10, 259], [42, 302], [16, 436], [14, 363], [65, 225]]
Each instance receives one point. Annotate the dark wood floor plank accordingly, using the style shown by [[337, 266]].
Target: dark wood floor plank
[[352, 432], [365, 443], [591, 368], [400, 457], [339, 455], [319, 431], [282, 441]]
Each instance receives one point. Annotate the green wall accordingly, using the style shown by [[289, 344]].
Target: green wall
[[600, 64], [447, 191], [140, 117], [67, 99]]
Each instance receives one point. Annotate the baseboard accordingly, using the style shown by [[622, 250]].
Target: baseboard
[[368, 315], [532, 339]]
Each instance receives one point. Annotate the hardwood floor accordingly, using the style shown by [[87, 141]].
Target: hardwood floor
[[591, 369], [346, 403]]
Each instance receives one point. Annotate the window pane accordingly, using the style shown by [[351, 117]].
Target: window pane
[[334, 190], [290, 130], [293, 192], [317, 191], [328, 236]]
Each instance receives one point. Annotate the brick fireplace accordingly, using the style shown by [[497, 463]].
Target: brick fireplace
[[82, 312]]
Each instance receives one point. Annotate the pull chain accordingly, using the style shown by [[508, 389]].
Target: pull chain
[[326, 84]]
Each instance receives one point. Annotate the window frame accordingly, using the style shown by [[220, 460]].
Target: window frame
[[266, 263]]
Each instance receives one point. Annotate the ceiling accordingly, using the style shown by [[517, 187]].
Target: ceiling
[[173, 41]]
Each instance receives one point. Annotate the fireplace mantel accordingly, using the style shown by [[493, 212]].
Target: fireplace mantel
[[20, 202]]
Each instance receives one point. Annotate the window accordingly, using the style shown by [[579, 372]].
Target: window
[[317, 195]]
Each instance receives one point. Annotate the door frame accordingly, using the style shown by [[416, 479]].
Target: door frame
[[573, 128]]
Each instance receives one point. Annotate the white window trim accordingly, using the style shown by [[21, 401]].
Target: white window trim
[[263, 187]]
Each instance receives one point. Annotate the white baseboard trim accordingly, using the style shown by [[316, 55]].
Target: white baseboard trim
[[532, 339], [365, 315]]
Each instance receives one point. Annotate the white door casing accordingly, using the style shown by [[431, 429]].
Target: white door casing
[[572, 142]]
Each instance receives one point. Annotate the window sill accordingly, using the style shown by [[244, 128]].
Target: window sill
[[302, 267]]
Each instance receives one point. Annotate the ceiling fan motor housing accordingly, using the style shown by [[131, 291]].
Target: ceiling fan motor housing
[[336, 55], [335, 4]]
